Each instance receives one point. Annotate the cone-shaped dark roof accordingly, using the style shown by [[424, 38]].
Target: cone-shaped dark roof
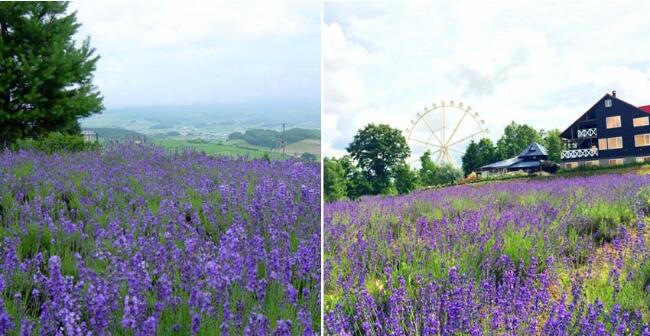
[[534, 149]]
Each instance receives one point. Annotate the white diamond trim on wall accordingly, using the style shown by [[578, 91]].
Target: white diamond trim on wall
[[587, 133], [579, 153]]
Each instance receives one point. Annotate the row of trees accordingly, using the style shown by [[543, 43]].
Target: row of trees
[[514, 139], [376, 165], [269, 138]]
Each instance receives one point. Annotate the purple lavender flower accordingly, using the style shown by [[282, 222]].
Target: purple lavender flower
[[129, 236]]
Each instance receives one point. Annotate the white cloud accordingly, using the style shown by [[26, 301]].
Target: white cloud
[[539, 64], [183, 52]]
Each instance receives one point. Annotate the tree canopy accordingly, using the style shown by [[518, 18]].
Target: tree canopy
[[553, 143], [431, 174], [514, 139], [376, 161], [333, 180], [471, 158], [46, 82], [406, 179], [479, 154], [378, 150]]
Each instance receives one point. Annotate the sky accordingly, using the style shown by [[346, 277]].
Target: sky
[[543, 64], [180, 53]]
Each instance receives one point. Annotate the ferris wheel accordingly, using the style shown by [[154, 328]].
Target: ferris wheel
[[444, 129]]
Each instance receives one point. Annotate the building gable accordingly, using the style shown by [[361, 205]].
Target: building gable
[[589, 138], [595, 117]]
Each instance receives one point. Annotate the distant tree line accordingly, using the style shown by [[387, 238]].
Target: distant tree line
[[515, 138], [270, 138], [116, 133], [375, 163]]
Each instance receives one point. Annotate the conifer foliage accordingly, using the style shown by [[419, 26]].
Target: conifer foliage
[[45, 75]]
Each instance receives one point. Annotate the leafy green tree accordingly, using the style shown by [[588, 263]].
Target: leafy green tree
[[447, 174], [553, 143], [356, 184], [428, 170], [471, 158], [432, 175], [514, 139], [479, 154], [46, 78], [487, 152], [333, 180], [406, 180], [378, 150]]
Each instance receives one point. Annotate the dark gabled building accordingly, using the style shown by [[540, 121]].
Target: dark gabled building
[[533, 158], [610, 132]]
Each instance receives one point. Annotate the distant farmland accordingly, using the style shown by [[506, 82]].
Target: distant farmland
[[297, 140], [216, 148], [305, 146], [235, 147]]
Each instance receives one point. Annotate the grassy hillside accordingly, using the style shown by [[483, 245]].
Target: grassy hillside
[[215, 148], [305, 146], [270, 138], [115, 133]]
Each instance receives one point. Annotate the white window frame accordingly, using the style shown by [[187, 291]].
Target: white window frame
[[616, 143], [616, 119], [641, 121], [602, 141], [592, 163], [645, 137], [608, 103]]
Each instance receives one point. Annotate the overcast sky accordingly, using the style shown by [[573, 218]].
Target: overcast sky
[[183, 52], [541, 64]]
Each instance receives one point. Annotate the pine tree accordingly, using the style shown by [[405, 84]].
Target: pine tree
[[45, 76]]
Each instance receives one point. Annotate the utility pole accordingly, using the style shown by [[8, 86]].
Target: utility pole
[[282, 140]]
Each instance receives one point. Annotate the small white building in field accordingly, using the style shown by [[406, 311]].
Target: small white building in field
[[89, 136]]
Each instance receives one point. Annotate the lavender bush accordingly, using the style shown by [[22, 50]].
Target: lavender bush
[[560, 256], [134, 240]]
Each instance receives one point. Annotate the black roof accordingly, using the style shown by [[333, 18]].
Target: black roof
[[534, 149], [501, 164], [567, 132]]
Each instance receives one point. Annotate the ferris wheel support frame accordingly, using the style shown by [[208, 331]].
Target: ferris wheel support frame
[[444, 146]]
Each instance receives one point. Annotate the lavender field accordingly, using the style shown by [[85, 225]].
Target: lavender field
[[134, 240], [557, 256]]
